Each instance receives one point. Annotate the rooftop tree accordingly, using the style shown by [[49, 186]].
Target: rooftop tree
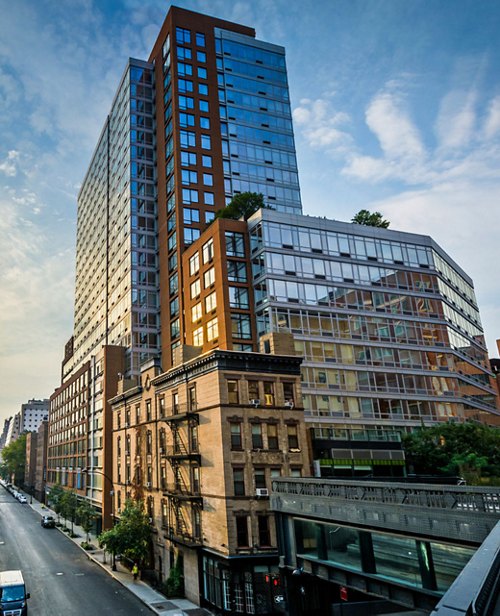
[[370, 219]]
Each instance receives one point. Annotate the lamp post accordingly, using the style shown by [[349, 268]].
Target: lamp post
[[86, 471]]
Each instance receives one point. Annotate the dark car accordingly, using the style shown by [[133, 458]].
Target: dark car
[[48, 521]]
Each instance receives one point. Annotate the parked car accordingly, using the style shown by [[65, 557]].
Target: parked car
[[22, 499], [48, 521]]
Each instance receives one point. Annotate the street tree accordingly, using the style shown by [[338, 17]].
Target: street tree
[[69, 502], [370, 219], [242, 205], [132, 534], [468, 449], [87, 515], [55, 495], [14, 459]]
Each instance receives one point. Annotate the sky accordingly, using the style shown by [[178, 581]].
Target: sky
[[396, 108]]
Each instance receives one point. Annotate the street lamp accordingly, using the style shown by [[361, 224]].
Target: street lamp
[[86, 471]]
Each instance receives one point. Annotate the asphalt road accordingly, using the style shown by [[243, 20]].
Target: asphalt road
[[61, 579]]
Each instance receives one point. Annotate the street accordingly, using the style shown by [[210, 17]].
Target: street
[[61, 579]]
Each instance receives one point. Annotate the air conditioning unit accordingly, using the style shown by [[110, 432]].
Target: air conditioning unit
[[148, 485], [255, 402], [289, 404], [262, 492], [161, 449]]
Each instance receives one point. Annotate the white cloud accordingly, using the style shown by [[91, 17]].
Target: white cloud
[[321, 124], [492, 123], [9, 164], [456, 120]]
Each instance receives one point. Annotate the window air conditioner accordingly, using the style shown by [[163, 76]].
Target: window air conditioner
[[255, 402], [148, 485], [262, 492], [289, 404]]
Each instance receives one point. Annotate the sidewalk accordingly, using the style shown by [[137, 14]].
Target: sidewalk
[[156, 602]]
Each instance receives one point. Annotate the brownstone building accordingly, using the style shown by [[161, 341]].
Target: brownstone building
[[200, 444]]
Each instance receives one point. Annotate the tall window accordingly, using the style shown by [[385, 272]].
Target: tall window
[[194, 264], [268, 393], [253, 390], [260, 478], [149, 442], [272, 436], [232, 392], [242, 531], [210, 302], [264, 533], [239, 481], [293, 437], [192, 398], [235, 244], [208, 251], [257, 436], [288, 392], [212, 329], [236, 441], [148, 410]]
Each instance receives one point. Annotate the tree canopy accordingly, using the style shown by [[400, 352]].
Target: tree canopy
[[14, 459], [242, 205], [370, 219], [132, 534], [466, 449]]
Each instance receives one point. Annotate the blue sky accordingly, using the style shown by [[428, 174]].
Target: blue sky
[[396, 108]]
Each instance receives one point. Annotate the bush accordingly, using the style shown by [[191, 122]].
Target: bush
[[174, 585], [87, 546]]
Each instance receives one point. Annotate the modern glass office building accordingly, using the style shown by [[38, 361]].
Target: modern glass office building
[[387, 324]]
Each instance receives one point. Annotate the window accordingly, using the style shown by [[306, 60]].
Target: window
[[185, 85], [202, 72], [191, 216], [212, 329], [183, 37], [173, 284], [209, 198], [263, 527], [253, 390], [242, 531], [257, 442], [205, 123], [148, 410], [184, 69], [238, 298], [272, 436], [260, 478], [208, 179], [200, 39], [189, 195], [239, 481], [195, 288], [288, 392], [175, 328], [203, 89], [293, 437], [232, 392], [162, 408], [236, 442], [196, 312], [188, 159], [235, 244], [268, 393], [296, 472], [138, 413], [209, 277], [203, 106], [188, 139], [149, 442], [209, 217], [194, 264], [208, 251], [205, 142], [206, 161], [198, 337], [174, 307], [191, 235], [186, 120], [240, 326], [184, 53], [236, 271], [189, 177], [201, 56], [186, 102], [210, 302]]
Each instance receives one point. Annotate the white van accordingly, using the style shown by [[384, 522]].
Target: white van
[[13, 595]]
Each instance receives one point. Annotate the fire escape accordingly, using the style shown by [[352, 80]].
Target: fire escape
[[184, 498]]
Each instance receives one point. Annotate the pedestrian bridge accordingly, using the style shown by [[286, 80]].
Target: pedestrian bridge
[[403, 542]]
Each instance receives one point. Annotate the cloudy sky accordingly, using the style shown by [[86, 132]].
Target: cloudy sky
[[396, 108]]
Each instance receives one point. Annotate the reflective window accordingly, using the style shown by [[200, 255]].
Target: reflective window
[[182, 36]]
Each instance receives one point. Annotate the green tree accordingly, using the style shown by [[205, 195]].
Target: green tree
[[242, 205], [467, 449], [14, 459], [370, 219], [69, 504], [87, 516], [55, 499], [132, 534]]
